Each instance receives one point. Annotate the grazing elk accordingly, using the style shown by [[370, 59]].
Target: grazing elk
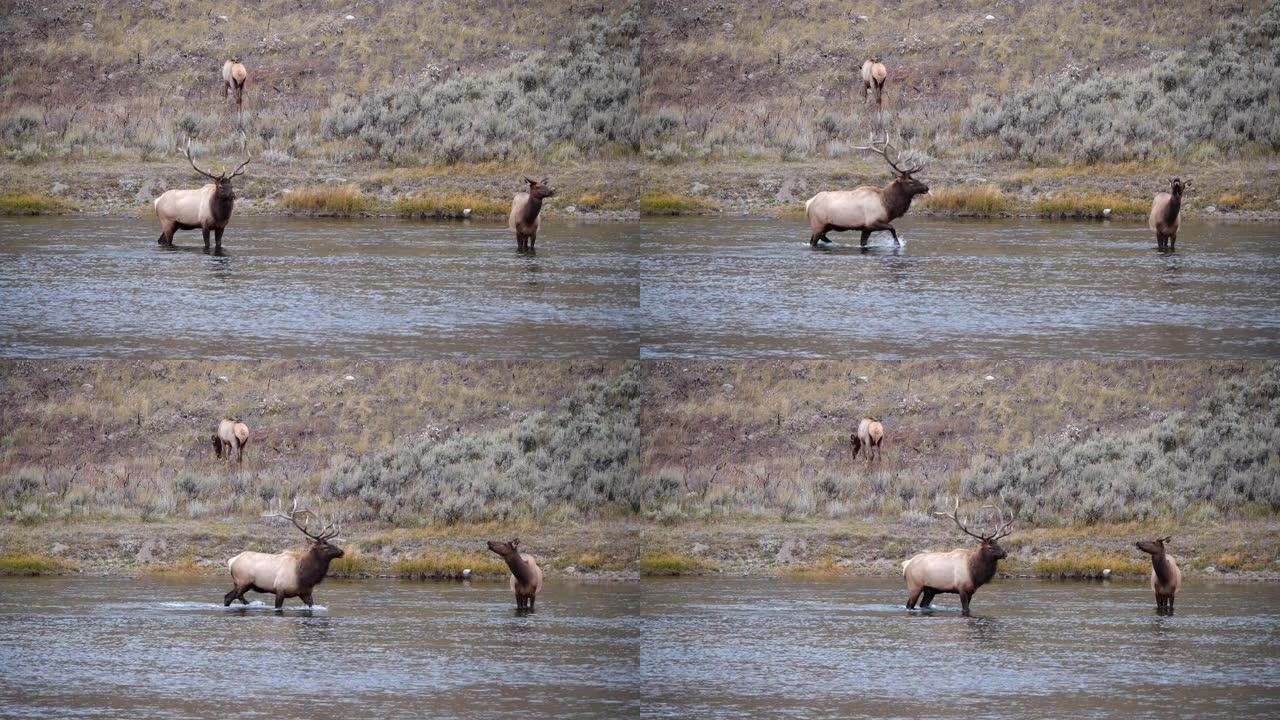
[[233, 76], [293, 573], [1164, 220], [525, 207], [1165, 575], [873, 75], [207, 208], [231, 433], [961, 571], [870, 433], [865, 208], [526, 576]]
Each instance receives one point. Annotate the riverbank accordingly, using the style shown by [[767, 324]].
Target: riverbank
[[1247, 550], [625, 190]]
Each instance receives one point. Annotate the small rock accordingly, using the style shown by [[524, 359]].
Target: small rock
[[698, 548], [571, 208], [991, 377], [1106, 572], [571, 569], [466, 573], [863, 18], [58, 549], [863, 378], [1211, 208], [152, 547], [792, 549], [351, 17], [222, 18], [466, 212], [1211, 569], [698, 188], [1106, 212], [87, 387], [87, 26], [58, 188], [349, 378], [991, 17], [223, 379], [727, 386]]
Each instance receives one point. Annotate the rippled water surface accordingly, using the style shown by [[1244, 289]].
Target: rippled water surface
[[102, 287], [842, 649], [94, 647], [742, 287]]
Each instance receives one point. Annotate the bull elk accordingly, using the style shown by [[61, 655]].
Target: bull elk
[[866, 208], [293, 573], [525, 207], [961, 571], [233, 77], [873, 75], [231, 434], [526, 576], [208, 208], [1164, 220], [1165, 575], [870, 434]]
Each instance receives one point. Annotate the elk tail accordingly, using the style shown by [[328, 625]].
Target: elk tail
[[905, 563]]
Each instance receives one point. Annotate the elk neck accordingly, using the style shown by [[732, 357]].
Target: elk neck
[[982, 567], [312, 567], [896, 200], [531, 209], [520, 568], [1171, 210], [1160, 564], [220, 208]]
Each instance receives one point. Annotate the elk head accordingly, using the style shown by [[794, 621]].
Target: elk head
[[1153, 547], [903, 180], [320, 545], [990, 542], [539, 189], [224, 190], [1177, 185], [506, 549]]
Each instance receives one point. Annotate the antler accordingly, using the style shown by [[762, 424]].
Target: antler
[[193, 163], [881, 152], [329, 531], [1002, 527], [239, 168]]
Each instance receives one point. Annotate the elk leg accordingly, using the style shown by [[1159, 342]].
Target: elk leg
[[230, 597], [532, 600], [928, 598], [857, 445], [279, 601], [964, 603], [1173, 240], [217, 238], [306, 599], [911, 599], [205, 232], [865, 234], [533, 240]]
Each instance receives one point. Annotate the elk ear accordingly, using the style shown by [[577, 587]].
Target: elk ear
[[531, 182], [515, 542]]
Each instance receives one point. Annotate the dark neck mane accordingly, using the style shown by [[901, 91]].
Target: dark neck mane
[[1171, 210], [520, 568], [896, 200], [1160, 563], [312, 567], [220, 208], [982, 567], [531, 209]]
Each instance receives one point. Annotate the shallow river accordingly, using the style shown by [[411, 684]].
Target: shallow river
[[95, 647], [742, 287], [102, 287], [844, 649]]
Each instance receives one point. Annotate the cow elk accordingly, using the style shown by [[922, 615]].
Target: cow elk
[[526, 576], [873, 76], [525, 207], [231, 434], [1166, 578], [961, 571], [293, 573], [1165, 208], [208, 208], [233, 77], [869, 435], [865, 208]]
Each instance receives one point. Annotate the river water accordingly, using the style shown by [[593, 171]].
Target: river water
[[115, 647], [723, 648], [749, 287], [317, 288]]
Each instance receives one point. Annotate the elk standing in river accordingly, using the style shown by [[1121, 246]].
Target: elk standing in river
[[865, 208], [526, 576], [233, 77], [525, 207], [231, 433], [1165, 210], [961, 571], [1165, 575], [873, 76], [208, 208], [292, 573], [870, 434]]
